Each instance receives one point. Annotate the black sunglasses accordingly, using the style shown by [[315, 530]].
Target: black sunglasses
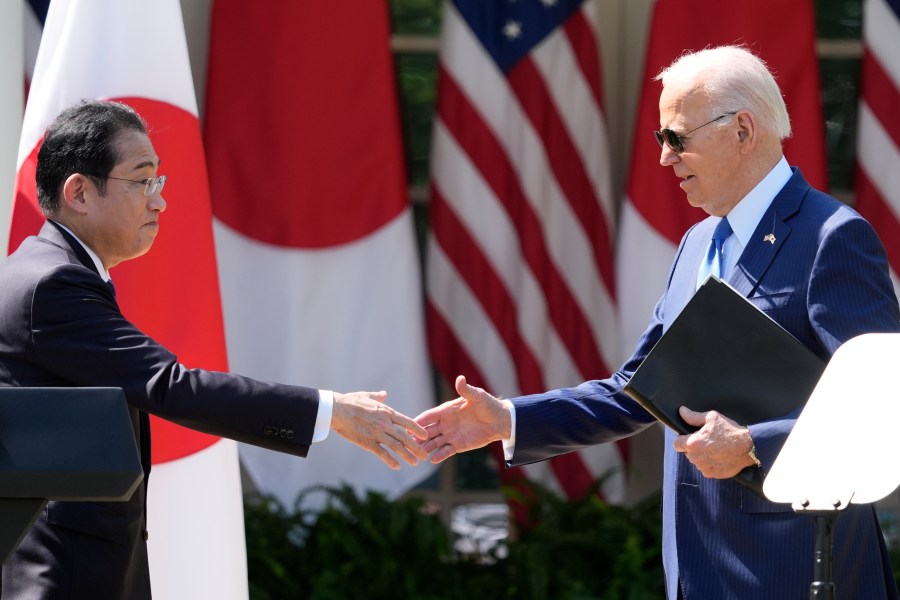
[[676, 141]]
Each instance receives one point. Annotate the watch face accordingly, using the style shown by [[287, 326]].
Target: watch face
[[754, 457]]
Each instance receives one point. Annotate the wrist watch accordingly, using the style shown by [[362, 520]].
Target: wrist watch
[[754, 457]]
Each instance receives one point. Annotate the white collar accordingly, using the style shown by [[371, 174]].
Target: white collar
[[745, 216]]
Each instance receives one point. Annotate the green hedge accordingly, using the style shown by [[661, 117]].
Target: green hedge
[[371, 548]]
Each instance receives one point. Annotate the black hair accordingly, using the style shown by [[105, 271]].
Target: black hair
[[81, 140]]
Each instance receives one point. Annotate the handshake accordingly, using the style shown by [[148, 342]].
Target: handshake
[[471, 421]]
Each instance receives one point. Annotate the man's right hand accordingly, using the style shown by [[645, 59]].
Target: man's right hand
[[473, 420], [364, 419]]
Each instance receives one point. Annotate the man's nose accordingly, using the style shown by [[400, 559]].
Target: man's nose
[[667, 156], [157, 203]]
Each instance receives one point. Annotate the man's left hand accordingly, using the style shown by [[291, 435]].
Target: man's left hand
[[719, 449]]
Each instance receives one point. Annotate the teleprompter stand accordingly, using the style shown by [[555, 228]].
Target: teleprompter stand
[[826, 462], [62, 444]]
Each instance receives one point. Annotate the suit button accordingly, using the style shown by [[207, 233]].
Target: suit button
[[282, 434], [267, 430], [290, 434]]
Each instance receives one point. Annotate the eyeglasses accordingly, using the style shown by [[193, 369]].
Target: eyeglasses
[[152, 185], [676, 141]]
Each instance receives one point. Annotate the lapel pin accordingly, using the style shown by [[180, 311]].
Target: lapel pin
[[770, 238]]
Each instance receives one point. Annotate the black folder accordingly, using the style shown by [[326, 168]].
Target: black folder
[[722, 353]]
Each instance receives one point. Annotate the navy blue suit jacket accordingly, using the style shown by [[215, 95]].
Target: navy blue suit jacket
[[60, 326], [824, 279]]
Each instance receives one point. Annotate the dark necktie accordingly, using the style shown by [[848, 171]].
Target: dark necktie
[[111, 286]]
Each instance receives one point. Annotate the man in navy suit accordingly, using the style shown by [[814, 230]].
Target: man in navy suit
[[60, 325], [810, 262]]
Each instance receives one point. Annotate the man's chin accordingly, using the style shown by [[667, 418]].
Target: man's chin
[[142, 251]]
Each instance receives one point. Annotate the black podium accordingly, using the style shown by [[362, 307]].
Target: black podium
[[62, 444]]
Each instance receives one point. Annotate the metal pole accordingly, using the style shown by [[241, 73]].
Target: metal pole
[[822, 587]]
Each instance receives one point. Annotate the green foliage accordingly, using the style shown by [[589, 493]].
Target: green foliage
[[894, 553], [415, 17], [274, 552], [417, 90], [354, 548], [373, 548], [588, 549]]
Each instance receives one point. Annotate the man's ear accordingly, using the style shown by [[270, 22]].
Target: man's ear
[[746, 123], [74, 192]]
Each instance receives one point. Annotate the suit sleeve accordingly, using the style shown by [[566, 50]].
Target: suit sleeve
[[79, 336], [595, 412], [570, 419]]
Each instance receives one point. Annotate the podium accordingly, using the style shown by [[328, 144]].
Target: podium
[[62, 444], [827, 461]]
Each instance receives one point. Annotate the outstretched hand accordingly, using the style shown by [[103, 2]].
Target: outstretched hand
[[364, 419], [473, 420]]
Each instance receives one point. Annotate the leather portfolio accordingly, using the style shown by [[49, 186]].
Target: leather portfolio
[[723, 353]]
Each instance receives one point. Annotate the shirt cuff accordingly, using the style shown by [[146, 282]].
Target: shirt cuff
[[323, 416], [509, 445]]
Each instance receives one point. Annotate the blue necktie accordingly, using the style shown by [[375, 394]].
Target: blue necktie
[[715, 257]]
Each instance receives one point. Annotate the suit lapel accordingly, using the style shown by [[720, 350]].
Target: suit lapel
[[770, 235], [54, 233], [140, 421], [771, 232], [761, 250]]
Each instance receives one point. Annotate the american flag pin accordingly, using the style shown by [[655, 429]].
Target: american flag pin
[[770, 238]]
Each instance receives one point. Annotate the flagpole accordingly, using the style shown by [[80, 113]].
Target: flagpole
[[12, 93]]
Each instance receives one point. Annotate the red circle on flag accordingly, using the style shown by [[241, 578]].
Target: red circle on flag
[[304, 147]]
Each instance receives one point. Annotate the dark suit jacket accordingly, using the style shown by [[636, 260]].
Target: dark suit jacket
[[60, 326], [825, 280]]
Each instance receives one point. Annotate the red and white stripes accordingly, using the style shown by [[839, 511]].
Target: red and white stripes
[[878, 152], [520, 274]]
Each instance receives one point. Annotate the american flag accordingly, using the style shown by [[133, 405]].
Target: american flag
[[878, 152], [520, 268]]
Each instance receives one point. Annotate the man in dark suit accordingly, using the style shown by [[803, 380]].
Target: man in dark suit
[[60, 325], [807, 260]]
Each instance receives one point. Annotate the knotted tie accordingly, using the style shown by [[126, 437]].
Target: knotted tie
[[715, 257]]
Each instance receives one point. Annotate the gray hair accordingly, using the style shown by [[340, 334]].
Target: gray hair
[[735, 79]]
